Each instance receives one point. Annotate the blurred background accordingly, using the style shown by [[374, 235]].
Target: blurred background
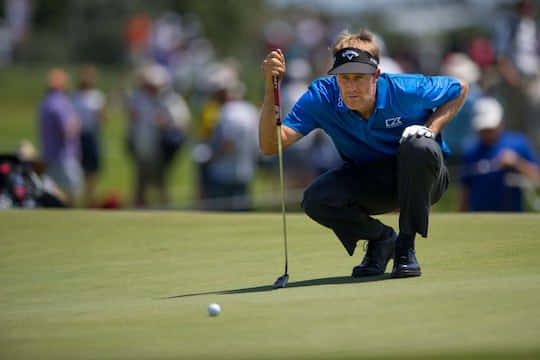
[[131, 103]]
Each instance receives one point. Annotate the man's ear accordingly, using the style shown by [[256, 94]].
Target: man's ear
[[377, 73]]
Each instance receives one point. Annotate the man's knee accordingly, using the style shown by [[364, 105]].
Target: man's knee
[[420, 151], [321, 201]]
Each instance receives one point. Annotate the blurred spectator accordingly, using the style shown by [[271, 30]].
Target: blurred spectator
[[60, 130], [89, 103], [407, 60], [234, 150], [481, 51], [386, 63], [516, 44], [459, 133], [495, 166], [18, 16], [179, 121], [153, 138], [190, 69], [221, 78], [176, 42], [517, 40], [137, 34], [167, 38]]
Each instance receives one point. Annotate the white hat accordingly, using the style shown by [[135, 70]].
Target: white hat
[[488, 114], [155, 75], [225, 77], [461, 66]]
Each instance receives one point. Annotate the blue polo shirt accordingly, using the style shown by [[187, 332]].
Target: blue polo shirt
[[402, 100]]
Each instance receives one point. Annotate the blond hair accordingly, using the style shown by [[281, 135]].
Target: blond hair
[[364, 40]]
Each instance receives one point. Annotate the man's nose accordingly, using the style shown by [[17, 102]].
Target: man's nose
[[350, 85]]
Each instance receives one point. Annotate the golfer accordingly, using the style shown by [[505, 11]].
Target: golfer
[[387, 128]]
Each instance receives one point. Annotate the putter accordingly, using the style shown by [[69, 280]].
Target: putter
[[281, 282]]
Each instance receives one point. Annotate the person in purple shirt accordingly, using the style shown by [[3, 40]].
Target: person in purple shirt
[[59, 131]]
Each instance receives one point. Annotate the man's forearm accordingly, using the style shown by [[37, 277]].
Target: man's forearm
[[446, 112], [529, 169], [267, 126]]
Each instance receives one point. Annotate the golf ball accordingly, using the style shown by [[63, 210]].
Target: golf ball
[[214, 309]]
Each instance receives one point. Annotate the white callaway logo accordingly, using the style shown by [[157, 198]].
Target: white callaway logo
[[393, 122], [350, 54]]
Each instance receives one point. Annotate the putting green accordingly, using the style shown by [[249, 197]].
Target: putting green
[[136, 285]]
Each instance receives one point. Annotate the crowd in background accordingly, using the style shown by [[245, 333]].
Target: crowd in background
[[184, 96]]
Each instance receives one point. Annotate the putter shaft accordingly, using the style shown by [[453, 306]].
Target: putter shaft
[[280, 156], [277, 113]]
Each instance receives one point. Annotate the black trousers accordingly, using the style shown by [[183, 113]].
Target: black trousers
[[343, 199]]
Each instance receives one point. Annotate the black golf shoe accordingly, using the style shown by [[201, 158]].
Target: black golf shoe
[[406, 265], [378, 253]]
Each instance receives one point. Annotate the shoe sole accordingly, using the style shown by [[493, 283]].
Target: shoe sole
[[366, 274], [405, 274]]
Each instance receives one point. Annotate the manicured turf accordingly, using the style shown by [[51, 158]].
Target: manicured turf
[[136, 285]]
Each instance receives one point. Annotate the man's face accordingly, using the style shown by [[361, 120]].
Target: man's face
[[489, 136], [358, 90]]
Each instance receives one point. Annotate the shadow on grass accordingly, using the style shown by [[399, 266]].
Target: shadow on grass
[[312, 282]]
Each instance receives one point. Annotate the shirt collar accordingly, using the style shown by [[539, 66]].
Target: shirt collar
[[382, 92], [339, 105]]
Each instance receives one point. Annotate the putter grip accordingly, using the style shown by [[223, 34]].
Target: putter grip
[[277, 100]]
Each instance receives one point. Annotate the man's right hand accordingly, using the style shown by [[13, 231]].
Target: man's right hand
[[273, 65], [416, 130]]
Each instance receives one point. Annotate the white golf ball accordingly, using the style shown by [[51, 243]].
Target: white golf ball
[[214, 309]]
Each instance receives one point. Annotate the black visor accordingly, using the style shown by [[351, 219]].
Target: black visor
[[353, 61]]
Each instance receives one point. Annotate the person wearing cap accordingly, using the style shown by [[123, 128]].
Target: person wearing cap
[[387, 129], [490, 164], [148, 118], [516, 38]]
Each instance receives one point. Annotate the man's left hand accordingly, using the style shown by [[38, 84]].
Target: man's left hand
[[416, 130]]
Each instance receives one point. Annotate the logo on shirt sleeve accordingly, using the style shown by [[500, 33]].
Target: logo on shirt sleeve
[[393, 122]]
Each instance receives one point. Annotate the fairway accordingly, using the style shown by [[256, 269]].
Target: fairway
[[136, 285]]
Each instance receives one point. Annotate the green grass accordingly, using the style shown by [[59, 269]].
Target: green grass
[[136, 285]]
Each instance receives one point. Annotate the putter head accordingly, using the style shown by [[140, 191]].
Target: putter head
[[281, 282]]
